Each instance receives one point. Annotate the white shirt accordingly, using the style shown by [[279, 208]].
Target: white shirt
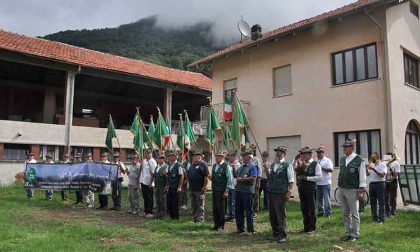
[[263, 165], [362, 170], [290, 171], [32, 161], [105, 162], [147, 171], [326, 176], [396, 166], [235, 165], [119, 171], [318, 173], [380, 167]]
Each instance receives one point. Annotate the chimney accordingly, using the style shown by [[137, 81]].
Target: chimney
[[256, 32]]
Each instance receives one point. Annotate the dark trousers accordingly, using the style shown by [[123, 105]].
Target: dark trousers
[[377, 197], [103, 200], [231, 204], [307, 206], [243, 204], [79, 197], [277, 212], [63, 195], [147, 192], [183, 200], [263, 189], [219, 209], [160, 197], [391, 197], [116, 196], [172, 203]]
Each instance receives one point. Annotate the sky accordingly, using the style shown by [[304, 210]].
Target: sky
[[42, 17]]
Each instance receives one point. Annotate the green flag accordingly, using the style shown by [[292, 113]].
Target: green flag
[[226, 136], [151, 133], [239, 124], [189, 133], [212, 126], [110, 135], [138, 142], [180, 136], [135, 125], [161, 132]]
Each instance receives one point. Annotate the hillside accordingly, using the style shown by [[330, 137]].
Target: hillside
[[144, 40]]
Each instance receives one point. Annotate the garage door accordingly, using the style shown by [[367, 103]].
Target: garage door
[[291, 142]]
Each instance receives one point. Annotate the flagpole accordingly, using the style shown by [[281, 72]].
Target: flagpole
[[144, 130], [211, 106], [188, 150], [116, 136]]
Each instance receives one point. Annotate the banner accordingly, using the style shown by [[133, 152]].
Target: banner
[[92, 176]]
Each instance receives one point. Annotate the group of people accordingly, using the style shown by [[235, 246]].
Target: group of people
[[237, 184]]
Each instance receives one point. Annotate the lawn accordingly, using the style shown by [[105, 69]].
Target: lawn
[[39, 225]]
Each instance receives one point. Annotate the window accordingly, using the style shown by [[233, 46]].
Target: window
[[411, 70], [282, 78], [412, 139], [229, 91], [16, 151], [414, 9], [355, 64], [367, 142]]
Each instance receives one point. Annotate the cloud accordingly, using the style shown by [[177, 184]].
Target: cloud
[[37, 18]]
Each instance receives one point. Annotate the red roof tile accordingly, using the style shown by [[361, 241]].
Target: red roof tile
[[94, 59], [288, 28]]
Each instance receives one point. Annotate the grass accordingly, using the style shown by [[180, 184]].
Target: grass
[[39, 225]]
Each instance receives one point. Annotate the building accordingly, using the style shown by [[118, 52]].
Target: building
[[56, 97], [351, 72]]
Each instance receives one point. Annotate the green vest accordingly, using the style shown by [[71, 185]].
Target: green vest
[[219, 179], [174, 177], [245, 172], [349, 175], [278, 182], [309, 172], [161, 176]]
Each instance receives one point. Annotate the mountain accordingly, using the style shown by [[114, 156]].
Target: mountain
[[145, 41]]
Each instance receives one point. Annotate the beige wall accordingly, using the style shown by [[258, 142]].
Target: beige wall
[[315, 109], [403, 34]]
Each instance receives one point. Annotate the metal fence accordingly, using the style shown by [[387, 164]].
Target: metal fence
[[409, 184]]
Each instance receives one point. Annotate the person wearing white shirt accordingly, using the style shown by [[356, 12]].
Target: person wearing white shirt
[[30, 160], [133, 174], [323, 187], [391, 188], [146, 179], [377, 171], [265, 164], [235, 165], [48, 160], [351, 185], [116, 196], [308, 172], [103, 198]]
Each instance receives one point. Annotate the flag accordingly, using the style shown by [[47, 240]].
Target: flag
[[161, 132], [110, 135], [212, 126], [239, 124], [135, 125], [151, 133], [180, 136], [138, 142], [226, 136], [227, 113], [189, 133]]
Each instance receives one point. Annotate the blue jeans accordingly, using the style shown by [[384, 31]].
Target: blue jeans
[[231, 204], [323, 199], [243, 203]]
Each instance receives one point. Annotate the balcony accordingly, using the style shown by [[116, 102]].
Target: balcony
[[219, 108]]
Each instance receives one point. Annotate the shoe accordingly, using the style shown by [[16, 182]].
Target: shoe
[[311, 232], [115, 209], [320, 215], [353, 238], [380, 222], [255, 215], [346, 238], [232, 220], [135, 212], [239, 232], [142, 214], [392, 216], [149, 216], [328, 216], [220, 229], [130, 211], [89, 206], [251, 231], [281, 240], [303, 231], [200, 221]]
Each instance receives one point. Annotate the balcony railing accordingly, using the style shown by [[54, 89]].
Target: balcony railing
[[219, 109]]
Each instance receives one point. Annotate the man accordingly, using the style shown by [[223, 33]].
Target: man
[[235, 165], [146, 179], [351, 185], [183, 201], [175, 181], [280, 182], [29, 160], [377, 171], [265, 166], [133, 174], [221, 178], [88, 194], [161, 185], [64, 193], [323, 187], [103, 198], [48, 160], [116, 196], [79, 193], [308, 173], [391, 187], [245, 188], [256, 196], [198, 176]]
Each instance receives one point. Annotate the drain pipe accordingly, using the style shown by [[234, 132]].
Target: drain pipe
[[387, 92]]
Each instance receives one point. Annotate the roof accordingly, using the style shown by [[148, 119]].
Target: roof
[[65, 53], [267, 36]]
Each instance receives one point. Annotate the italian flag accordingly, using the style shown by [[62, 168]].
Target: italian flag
[[227, 112]]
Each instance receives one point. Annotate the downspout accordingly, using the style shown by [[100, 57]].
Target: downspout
[[71, 77], [387, 89]]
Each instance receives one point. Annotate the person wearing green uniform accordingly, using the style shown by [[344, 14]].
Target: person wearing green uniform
[[221, 177], [351, 185], [175, 180], [161, 185], [308, 172], [280, 177]]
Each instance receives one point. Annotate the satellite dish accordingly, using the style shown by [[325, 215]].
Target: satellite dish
[[244, 28]]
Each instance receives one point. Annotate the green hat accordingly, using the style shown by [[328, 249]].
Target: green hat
[[171, 153], [88, 154], [197, 152], [281, 148], [161, 155], [265, 154], [305, 149], [246, 152], [148, 151], [232, 153], [349, 143], [48, 155], [116, 154], [104, 154], [320, 149], [220, 153], [78, 155]]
